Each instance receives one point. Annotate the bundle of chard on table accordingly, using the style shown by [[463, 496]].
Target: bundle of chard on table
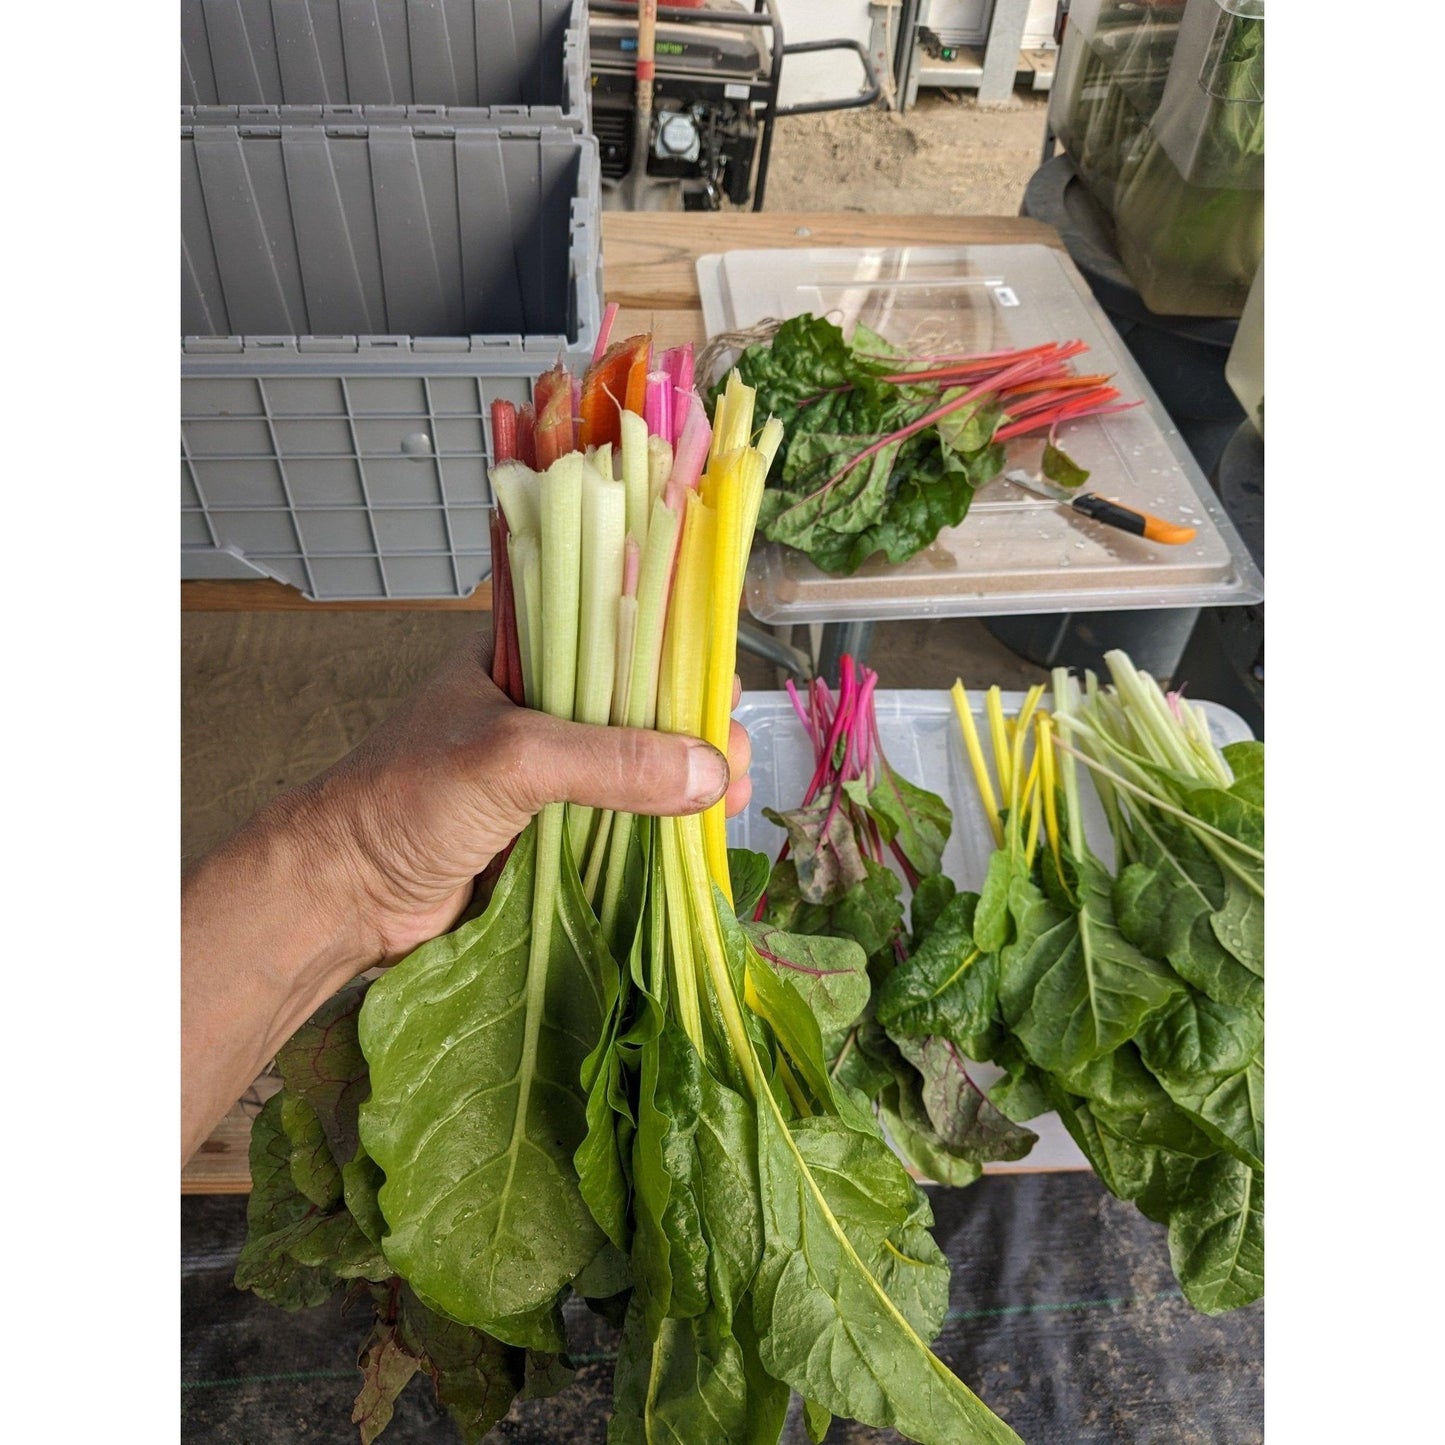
[[1128, 997], [858, 827], [605, 1086], [885, 449]]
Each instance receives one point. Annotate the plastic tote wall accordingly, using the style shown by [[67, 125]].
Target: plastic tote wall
[[525, 58], [353, 299]]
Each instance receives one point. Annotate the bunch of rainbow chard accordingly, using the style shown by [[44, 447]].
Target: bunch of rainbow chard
[[601, 1086], [859, 826], [1127, 998], [885, 449]]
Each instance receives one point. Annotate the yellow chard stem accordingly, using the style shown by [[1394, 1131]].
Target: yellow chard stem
[[682, 932], [1045, 746], [722, 649], [769, 440], [1030, 805], [997, 736], [976, 760]]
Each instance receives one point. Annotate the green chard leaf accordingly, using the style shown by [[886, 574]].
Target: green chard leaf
[[1167, 914], [863, 1063], [805, 358], [870, 913], [949, 986], [932, 488], [1209, 1059], [603, 1158], [604, 1280], [816, 1420], [1071, 987], [1246, 763], [322, 1064], [313, 1170], [748, 874], [826, 1325], [912, 819], [830, 974], [361, 1182], [992, 923], [276, 1206], [1216, 1234], [882, 1212], [1022, 1093], [1061, 469], [1129, 1103], [697, 1379], [829, 492], [698, 1234], [670, 1252], [970, 428], [545, 1375], [961, 1113], [930, 898], [476, 1043]]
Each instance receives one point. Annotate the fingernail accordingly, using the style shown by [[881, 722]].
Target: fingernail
[[707, 775]]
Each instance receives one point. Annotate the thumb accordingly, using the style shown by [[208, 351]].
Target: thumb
[[628, 770]]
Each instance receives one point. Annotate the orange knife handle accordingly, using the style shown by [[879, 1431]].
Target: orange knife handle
[[1126, 519], [1156, 529]]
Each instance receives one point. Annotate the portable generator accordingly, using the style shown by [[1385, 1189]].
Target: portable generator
[[717, 68]]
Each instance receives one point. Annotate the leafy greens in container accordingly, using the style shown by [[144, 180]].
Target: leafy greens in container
[[832, 877], [884, 450], [1130, 1000]]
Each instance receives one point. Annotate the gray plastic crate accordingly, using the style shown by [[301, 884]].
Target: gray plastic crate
[[353, 300], [481, 60]]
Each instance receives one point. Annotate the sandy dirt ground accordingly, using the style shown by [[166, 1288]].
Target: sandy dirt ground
[[268, 700], [945, 155]]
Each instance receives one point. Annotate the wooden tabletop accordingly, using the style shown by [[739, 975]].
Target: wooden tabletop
[[649, 265]]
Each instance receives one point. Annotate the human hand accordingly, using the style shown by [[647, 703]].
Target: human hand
[[425, 802]]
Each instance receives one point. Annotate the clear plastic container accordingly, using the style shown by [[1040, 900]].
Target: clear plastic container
[[1013, 552]]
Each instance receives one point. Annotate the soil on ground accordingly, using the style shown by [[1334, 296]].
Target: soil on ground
[[946, 155]]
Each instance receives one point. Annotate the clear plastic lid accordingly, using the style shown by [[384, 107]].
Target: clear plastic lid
[[1014, 552]]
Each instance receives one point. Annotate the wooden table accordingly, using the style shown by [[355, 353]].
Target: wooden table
[[649, 264]]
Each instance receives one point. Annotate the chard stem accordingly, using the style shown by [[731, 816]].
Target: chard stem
[[976, 760], [1065, 707], [1197, 824]]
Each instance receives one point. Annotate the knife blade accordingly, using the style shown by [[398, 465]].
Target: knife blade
[[1100, 509]]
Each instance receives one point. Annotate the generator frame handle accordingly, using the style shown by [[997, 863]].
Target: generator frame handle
[[864, 97]]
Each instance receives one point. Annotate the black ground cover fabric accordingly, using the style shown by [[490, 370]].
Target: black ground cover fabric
[[1064, 1317]]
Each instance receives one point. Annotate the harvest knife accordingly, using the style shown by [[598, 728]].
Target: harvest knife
[[1111, 514]]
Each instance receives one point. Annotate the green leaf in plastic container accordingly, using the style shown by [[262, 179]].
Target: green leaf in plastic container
[[1061, 469]]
